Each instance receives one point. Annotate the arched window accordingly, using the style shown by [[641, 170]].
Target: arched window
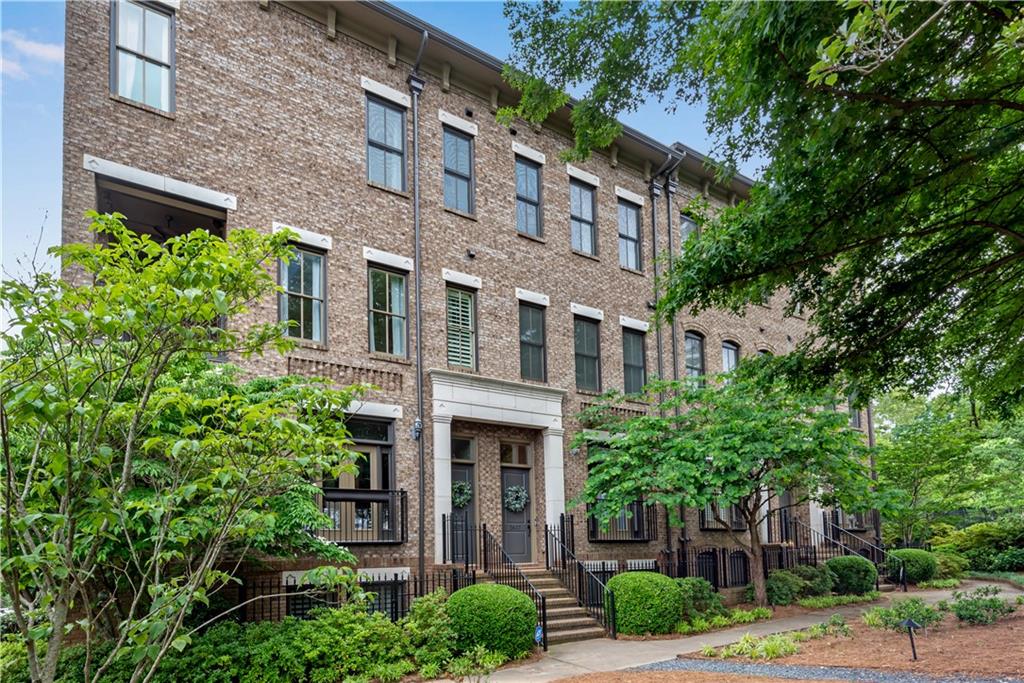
[[693, 350], [730, 356]]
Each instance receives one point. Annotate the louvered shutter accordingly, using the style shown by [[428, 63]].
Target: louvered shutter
[[461, 343]]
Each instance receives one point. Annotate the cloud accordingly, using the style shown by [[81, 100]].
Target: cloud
[[52, 53], [12, 69]]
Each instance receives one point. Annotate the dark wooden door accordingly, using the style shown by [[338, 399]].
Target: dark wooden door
[[463, 527], [515, 526]]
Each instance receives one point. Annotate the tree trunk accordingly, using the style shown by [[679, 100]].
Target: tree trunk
[[757, 568]]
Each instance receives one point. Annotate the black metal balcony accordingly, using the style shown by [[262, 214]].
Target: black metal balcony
[[637, 523], [729, 516], [363, 516]]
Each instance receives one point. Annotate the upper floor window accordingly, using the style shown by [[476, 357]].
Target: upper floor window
[[730, 356], [687, 228], [581, 214], [588, 354], [532, 359], [143, 54], [303, 303], [387, 312], [634, 361], [385, 144], [629, 236], [693, 351], [528, 215], [461, 328], [458, 171], [854, 412]]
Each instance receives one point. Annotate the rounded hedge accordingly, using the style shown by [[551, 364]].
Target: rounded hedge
[[818, 579], [852, 575], [784, 587], [646, 602], [700, 598], [920, 565], [498, 617]]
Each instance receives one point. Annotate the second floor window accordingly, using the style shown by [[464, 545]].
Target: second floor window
[[303, 301], [687, 228], [581, 218], [387, 312], [531, 342], [528, 218], [143, 54], [461, 328], [385, 144], [629, 236], [458, 171], [634, 361], [693, 351], [588, 354], [730, 356]]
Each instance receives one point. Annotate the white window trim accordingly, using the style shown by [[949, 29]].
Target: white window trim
[[623, 193], [532, 297], [172, 4], [580, 174], [306, 237], [464, 279], [454, 121], [387, 259], [586, 311], [385, 91], [160, 183], [528, 152], [634, 324]]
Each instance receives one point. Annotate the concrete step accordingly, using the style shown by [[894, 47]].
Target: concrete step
[[576, 634], [561, 625], [564, 609]]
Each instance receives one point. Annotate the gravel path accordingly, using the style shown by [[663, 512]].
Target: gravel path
[[833, 673]]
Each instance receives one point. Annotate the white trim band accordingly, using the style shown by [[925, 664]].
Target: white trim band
[[580, 174], [160, 183], [454, 121], [385, 91], [387, 259], [463, 279], [528, 152], [369, 409], [623, 193], [173, 4], [310, 239], [532, 297], [634, 324], [586, 311]]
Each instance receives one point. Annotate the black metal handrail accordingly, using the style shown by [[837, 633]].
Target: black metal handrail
[[362, 516], [825, 548], [591, 593], [499, 566], [638, 523], [890, 567]]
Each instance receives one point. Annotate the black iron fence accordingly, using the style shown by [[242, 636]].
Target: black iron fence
[[589, 587], [364, 516], [637, 523]]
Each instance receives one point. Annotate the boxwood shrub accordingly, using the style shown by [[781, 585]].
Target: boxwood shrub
[[920, 564], [852, 575], [646, 602], [783, 587], [500, 618], [817, 577], [700, 599]]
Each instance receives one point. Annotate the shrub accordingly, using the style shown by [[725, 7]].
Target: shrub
[[699, 598], [818, 579], [980, 606], [981, 543], [430, 631], [646, 602], [920, 565], [907, 608], [1009, 560], [950, 565], [499, 618], [852, 575], [476, 663], [782, 586]]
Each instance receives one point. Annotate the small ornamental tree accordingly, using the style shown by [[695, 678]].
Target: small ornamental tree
[[135, 473], [733, 442]]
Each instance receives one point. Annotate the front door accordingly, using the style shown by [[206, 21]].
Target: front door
[[515, 531], [463, 539]]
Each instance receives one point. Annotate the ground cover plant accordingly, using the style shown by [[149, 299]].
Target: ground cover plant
[[779, 644], [827, 601], [980, 606], [905, 608], [703, 624], [939, 583], [1015, 578]]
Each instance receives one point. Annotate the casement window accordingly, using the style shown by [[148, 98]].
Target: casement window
[[687, 228], [693, 351], [458, 171], [634, 361], [303, 303], [588, 354], [629, 236], [528, 211], [532, 356], [581, 218], [461, 328], [387, 314], [142, 53], [385, 144], [730, 356]]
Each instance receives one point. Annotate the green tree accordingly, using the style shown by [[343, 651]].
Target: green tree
[[135, 474], [728, 443], [891, 206]]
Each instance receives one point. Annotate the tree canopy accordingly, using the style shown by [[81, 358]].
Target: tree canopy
[[892, 204]]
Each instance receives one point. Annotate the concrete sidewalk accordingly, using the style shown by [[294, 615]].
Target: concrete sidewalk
[[605, 654]]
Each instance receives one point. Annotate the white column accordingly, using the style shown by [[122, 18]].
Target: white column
[[554, 475], [442, 479]]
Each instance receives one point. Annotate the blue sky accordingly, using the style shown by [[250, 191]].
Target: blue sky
[[32, 89]]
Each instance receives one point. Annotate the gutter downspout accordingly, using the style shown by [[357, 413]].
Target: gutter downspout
[[671, 186], [416, 85]]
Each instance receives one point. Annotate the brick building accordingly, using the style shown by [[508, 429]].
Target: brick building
[[529, 280]]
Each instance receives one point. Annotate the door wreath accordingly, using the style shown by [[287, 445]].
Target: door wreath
[[462, 494], [516, 498]]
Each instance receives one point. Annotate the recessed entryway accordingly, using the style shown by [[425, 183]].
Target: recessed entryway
[[516, 508]]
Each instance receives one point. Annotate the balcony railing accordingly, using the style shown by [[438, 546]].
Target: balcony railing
[[362, 516], [709, 523], [637, 523]]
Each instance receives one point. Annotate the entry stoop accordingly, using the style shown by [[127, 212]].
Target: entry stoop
[[567, 621]]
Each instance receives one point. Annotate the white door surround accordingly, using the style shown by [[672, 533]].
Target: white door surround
[[457, 395]]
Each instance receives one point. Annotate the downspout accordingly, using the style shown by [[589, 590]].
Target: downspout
[[416, 85], [670, 192]]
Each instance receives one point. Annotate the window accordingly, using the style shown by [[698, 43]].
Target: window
[[528, 216], [385, 144], [581, 214], [458, 171], [730, 356], [629, 236], [302, 302], [854, 412], [634, 361], [143, 54], [531, 342], [687, 228], [514, 454], [387, 312], [693, 350], [461, 328], [588, 356]]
